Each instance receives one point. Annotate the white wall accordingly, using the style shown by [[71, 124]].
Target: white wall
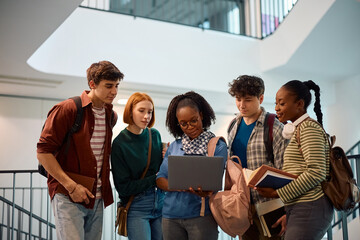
[[344, 114], [21, 121]]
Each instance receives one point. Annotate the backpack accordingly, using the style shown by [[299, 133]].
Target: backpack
[[231, 207], [340, 187], [268, 134], [75, 128]]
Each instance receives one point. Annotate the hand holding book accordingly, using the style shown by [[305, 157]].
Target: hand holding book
[[266, 180], [267, 192], [82, 190], [272, 217], [267, 177]]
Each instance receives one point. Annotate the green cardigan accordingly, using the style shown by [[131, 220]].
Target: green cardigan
[[129, 158]]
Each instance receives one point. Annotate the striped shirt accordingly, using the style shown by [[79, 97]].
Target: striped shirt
[[97, 143], [256, 151], [312, 166]]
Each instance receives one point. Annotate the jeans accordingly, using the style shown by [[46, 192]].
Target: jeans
[[308, 220], [144, 217], [75, 222], [199, 228]]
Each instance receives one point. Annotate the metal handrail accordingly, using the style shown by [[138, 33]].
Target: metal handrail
[[347, 215], [356, 145], [26, 212], [18, 171], [356, 157], [21, 211]]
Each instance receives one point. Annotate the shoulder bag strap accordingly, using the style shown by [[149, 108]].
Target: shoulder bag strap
[[212, 145], [145, 171], [268, 136], [211, 150]]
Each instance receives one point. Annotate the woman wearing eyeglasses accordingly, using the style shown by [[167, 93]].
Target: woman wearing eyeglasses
[[188, 118]]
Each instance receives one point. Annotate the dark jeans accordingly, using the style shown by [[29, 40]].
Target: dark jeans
[[308, 220]]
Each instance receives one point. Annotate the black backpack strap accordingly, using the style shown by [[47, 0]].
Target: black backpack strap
[[77, 123], [73, 129], [268, 136], [231, 125], [112, 121]]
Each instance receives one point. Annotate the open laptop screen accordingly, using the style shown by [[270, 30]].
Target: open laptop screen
[[195, 171]]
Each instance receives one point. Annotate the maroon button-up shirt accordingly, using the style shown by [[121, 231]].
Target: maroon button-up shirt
[[80, 158]]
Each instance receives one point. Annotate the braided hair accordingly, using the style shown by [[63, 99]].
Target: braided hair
[[302, 92], [193, 100]]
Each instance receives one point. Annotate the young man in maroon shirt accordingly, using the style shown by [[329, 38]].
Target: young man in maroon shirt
[[79, 212]]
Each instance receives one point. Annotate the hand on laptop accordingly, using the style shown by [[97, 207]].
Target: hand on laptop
[[200, 192], [165, 147]]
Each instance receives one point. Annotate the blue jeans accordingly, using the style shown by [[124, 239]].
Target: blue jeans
[[144, 217], [75, 222]]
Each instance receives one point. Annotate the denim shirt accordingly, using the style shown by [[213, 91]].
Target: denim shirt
[[184, 204]]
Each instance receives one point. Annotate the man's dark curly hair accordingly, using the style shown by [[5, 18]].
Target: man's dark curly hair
[[246, 85], [193, 100]]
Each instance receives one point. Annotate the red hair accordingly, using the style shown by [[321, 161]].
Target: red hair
[[134, 99]]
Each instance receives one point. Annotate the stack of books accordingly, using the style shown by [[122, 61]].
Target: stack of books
[[269, 212]]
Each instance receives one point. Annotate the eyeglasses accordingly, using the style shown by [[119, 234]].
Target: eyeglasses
[[192, 123]]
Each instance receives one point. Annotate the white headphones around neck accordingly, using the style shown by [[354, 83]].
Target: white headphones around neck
[[289, 128]]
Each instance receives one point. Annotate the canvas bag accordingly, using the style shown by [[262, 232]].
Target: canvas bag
[[122, 211], [340, 187], [231, 207]]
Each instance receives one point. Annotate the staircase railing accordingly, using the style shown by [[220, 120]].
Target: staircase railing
[[20, 217], [253, 18], [11, 231]]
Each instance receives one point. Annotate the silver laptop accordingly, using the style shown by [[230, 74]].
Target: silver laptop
[[195, 171]]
